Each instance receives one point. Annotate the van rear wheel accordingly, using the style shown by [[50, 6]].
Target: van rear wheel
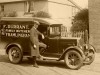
[[73, 59], [15, 54]]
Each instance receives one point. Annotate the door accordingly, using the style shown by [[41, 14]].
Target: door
[[52, 48]]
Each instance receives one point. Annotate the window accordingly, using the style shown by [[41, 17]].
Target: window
[[2, 7], [29, 6], [54, 31]]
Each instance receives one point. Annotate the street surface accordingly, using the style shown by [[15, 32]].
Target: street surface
[[46, 68]]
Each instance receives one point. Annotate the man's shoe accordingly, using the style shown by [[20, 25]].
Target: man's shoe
[[40, 57], [35, 65]]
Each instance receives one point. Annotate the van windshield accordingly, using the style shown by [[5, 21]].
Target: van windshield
[[55, 30]]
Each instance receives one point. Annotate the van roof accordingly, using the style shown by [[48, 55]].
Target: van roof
[[47, 21]]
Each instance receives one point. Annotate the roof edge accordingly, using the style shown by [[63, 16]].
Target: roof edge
[[75, 4], [47, 21], [11, 1]]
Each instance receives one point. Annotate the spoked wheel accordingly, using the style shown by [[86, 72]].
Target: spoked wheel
[[15, 55], [90, 54], [90, 57], [73, 59]]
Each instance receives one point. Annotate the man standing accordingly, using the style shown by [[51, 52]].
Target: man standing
[[34, 33]]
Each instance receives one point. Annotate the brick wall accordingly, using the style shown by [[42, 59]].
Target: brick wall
[[94, 23]]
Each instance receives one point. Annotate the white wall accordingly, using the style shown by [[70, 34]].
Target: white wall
[[41, 6], [18, 7], [61, 12]]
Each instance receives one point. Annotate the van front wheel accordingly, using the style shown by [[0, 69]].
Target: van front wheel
[[73, 59], [15, 54]]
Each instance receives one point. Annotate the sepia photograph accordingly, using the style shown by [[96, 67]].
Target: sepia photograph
[[49, 37]]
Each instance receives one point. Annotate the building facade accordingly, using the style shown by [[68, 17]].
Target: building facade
[[23, 6], [94, 23], [62, 10]]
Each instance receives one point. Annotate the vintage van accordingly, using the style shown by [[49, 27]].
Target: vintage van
[[15, 33]]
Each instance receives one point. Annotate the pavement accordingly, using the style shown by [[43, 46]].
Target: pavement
[[46, 68]]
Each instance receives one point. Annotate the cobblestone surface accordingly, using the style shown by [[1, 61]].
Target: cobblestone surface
[[46, 68]]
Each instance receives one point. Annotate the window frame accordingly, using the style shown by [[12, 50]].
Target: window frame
[[2, 7], [29, 6]]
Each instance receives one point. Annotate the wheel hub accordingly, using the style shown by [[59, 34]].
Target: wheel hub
[[15, 54], [73, 60]]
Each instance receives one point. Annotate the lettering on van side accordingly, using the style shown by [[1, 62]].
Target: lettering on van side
[[15, 30]]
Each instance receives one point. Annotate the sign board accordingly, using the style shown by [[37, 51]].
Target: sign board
[[15, 30]]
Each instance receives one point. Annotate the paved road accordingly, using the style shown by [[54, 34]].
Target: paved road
[[46, 68]]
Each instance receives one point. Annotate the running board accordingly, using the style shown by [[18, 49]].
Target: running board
[[45, 58], [50, 58]]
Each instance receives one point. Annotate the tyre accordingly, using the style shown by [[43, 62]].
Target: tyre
[[90, 57], [73, 59], [15, 54]]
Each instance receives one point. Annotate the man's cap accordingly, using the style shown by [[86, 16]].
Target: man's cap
[[36, 22]]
